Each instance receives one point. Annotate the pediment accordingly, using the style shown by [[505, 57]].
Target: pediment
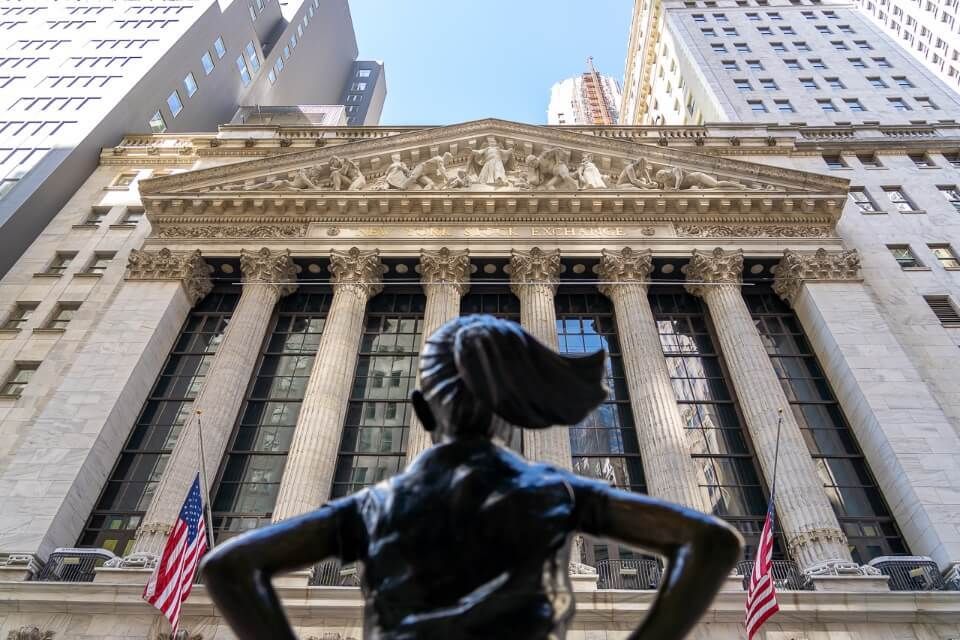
[[494, 166]]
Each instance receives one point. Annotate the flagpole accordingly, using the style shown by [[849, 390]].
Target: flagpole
[[776, 453], [207, 515]]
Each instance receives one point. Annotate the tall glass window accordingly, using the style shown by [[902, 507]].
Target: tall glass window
[[257, 453], [374, 442], [715, 433], [847, 479], [134, 478]]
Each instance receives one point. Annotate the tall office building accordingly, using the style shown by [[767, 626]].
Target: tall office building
[[76, 78], [590, 98], [929, 29], [693, 62]]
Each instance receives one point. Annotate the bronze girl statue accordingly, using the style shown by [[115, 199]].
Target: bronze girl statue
[[472, 540]]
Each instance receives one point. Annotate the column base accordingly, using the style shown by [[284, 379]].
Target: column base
[[851, 584]]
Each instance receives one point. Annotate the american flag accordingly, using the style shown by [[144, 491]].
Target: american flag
[[173, 578], [762, 594]]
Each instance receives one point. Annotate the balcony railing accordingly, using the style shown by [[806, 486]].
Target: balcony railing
[[643, 574], [786, 575], [330, 573], [911, 573], [73, 565]]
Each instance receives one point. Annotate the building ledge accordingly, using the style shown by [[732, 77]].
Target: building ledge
[[49, 330], [87, 275]]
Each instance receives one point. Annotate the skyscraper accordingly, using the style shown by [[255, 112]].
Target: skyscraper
[[76, 78], [590, 98]]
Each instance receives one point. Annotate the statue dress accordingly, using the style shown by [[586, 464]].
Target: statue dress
[[490, 164]]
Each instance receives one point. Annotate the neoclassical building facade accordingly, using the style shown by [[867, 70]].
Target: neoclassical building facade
[[251, 303]]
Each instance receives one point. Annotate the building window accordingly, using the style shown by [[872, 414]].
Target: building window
[[922, 161], [769, 83], [190, 84], [902, 81], [784, 106], [18, 379], [278, 65], [945, 255], [877, 82], [97, 215], [944, 309], [757, 106], [60, 263], [863, 44], [953, 158], [870, 160], [133, 481], [899, 104], [845, 28], [898, 198], [904, 256], [952, 194], [242, 68], [293, 41], [743, 85], [252, 56], [730, 65], [133, 215], [802, 46], [859, 505], [253, 12], [286, 52], [373, 448], [765, 31], [173, 101], [778, 47], [793, 65], [857, 63], [157, 123], [272, 76], [835, 83], [363, 73], [827, 106], [101, 260], [20, 315], [754, 65], [824, 29], [62, 315], [741, 47], [719, 444], [882, 63], [927, 104], [854, 104], [835, 161], [219, 48], [862, 199], [124, 180], [718, 47], [788, 31], [730, 32], [809, 83], [207, 62]]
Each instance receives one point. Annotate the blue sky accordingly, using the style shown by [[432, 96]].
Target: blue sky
[[452, 61]]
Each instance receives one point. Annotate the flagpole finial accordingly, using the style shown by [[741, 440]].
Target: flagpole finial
[[779, 411], [200, 412]]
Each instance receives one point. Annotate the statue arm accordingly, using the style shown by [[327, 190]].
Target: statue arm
[[237, 573], [700, 550]]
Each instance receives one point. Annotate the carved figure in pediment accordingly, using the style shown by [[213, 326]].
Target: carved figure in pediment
[[676, 179], [588, 175], [637, 174], [345, 175], [395, 177], [549, 170], [429, 174], [302, 180], [461, 181], [490, 165]]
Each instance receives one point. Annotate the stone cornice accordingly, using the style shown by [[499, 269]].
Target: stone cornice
[[707, 268], [187, 267], [534, 267], [271, 268], [624, 266], [446, 267], [795, 268], [356, 268]]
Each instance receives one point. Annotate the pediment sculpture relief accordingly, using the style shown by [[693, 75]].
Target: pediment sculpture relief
[[496, 168]]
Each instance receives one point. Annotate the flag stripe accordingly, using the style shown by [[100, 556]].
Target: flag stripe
[[761, 601]]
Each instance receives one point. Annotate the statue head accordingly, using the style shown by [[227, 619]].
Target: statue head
[[336, 163], [478, 366], [587, 157], [491, 142], [533, 161], [663, 176]]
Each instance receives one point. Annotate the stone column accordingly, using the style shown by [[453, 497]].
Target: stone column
[[267, 276], [445, 276], [809, 525], [307, 479], [534, 276], [904, 433], [670, 471]]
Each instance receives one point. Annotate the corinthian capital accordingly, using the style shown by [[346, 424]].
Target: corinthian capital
[[534, 267], [357, 268], [713, 267], [796, 268], [186, 266], [446, 267], [626, 265], [269, 268]]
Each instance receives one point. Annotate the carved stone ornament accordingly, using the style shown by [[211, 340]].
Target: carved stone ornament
[[331, 636], [26, 560], [357, 268], [752, 230], [708, 268], [534, 267], [182, 634], [446, 267], [841, 568], [233, 231], [186, 266], [814, 536], [30, 633], [624, 266], [138, 560], [273, 268], [795, 268]]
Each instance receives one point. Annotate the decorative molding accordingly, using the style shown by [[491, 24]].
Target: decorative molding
[[138, 560], [356, 268], [841, 568], [331, 636], [30, 633], [446, 267], [708, 268], [186, 266], [534, 267], [695, 230], [626, 265], [205, 231], [795, 268], [812, 536], [272, 268], [182, 634], [25, 561]]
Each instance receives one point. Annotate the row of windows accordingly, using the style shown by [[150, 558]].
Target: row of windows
[[63, 260], [907, 259], [53, 103], [899, 200], [872, 160], [733, 32], [829, 105], [157, 123], [22, 313]]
